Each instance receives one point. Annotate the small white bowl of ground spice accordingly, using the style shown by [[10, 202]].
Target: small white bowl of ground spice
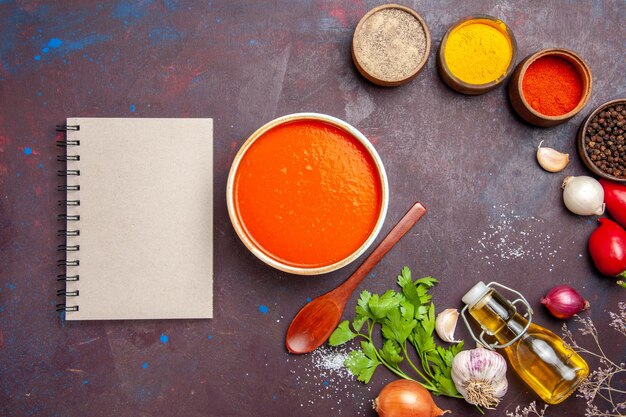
[[391, 44]]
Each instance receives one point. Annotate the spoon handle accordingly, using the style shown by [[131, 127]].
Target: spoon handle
[[404, 225]]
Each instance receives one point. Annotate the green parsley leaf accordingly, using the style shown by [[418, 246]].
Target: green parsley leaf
[[369, 349], [360, 366], [362, 306], [358, 322], [427, 281], [408, 288], [396, 327], [342, 334], [391, 353], [380, 306]]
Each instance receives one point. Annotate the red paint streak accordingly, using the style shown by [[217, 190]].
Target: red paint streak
[[4, 141], [339, 14], [346, 16], [36, 223], [3, 172], [38, 191]]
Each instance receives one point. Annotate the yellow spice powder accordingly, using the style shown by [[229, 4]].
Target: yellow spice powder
[[478, 53]]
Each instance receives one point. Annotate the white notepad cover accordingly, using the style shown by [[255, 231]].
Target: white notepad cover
[[146, 219]]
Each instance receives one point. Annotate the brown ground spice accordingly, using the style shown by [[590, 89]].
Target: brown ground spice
[[390, 44]]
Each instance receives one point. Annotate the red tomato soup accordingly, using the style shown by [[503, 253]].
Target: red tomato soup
[[307, 193]]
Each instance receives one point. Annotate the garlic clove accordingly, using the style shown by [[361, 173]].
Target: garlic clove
[[445, 323], [551, 160]]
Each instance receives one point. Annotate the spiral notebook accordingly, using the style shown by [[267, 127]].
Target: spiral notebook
[[138, 219]]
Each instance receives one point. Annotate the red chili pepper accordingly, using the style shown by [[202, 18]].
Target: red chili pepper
[[615, 200], [607, 245]]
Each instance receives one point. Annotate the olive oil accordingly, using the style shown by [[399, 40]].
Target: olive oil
[[543, 360]]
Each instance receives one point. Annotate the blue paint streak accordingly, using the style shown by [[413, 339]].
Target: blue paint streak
[[308, 299], [84, 42], [218, 19], [325, 383], [55, 43], [37, 57], [252, 42], [85, 381], [164, 34], [45, 50], [12, 286], [210, 337], [28, 151], [164, 339], [144, 365], [132, 108], [172, 4], [135, 10], [263, 309]]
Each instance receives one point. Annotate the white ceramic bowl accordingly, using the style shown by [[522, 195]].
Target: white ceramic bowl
[[249, 242]]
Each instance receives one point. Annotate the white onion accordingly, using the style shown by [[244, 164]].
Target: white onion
[[583, 195]]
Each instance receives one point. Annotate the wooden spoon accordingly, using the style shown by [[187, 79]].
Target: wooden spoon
[[315, 322]]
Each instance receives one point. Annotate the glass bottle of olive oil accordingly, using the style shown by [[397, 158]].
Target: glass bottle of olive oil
[[543, 360]]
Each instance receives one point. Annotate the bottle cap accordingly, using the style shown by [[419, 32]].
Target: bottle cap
[[475, 294]]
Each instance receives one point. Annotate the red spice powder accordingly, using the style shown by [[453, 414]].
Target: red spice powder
[[552, 86]]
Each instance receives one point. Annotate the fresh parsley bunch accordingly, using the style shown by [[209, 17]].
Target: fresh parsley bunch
[[407, 322]]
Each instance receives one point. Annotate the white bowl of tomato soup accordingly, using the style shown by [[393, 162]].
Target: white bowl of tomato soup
[[307, 193]]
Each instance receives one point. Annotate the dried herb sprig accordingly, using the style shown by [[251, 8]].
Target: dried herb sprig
[[531, 410], [605, 385]]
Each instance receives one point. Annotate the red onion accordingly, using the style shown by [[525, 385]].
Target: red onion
[[564, 301]]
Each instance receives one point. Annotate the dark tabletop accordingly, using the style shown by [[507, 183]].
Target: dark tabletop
[[493, 214]]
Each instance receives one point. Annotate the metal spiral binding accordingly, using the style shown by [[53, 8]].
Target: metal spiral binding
[[68, 232], [64, 277], [68, 188], [67, 218], [65, 158], [65, 128], [70, 218], [64, 203], [67, 172]]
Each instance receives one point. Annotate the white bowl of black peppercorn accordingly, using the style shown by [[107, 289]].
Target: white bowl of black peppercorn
[[602, 142]]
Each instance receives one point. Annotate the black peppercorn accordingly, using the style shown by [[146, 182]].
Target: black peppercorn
[[604, 141]]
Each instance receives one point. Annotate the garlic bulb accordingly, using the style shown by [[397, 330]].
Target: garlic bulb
[[551, 160], [445, 323], [583, 195], [480, 376]]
